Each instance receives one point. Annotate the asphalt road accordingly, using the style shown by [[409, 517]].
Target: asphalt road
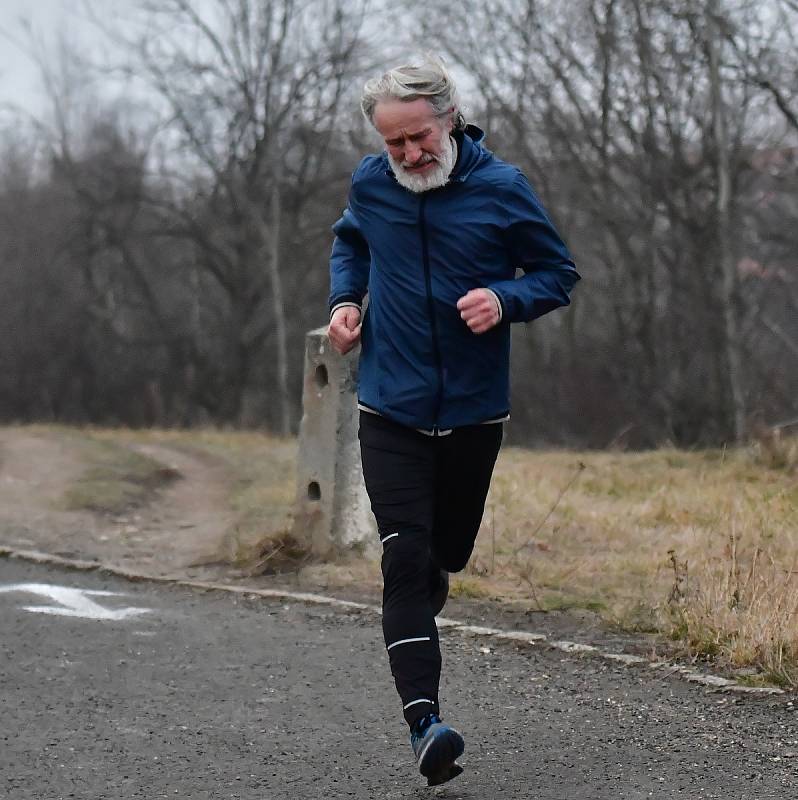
[[209, 695]]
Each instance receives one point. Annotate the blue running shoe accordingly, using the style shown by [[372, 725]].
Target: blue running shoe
[[437, 747]]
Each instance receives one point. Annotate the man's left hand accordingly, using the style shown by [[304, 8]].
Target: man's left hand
[[479, 310]]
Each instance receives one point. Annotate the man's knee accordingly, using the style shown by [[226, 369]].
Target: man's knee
[[405, 554], [452, 558], [453, 540], [454, 563]]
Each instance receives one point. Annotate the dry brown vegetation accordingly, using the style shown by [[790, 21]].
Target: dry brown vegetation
[[699, 545], [182, 230], [260, 470], [114, 477]]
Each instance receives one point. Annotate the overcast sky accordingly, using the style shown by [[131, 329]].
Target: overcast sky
[[19, 79]]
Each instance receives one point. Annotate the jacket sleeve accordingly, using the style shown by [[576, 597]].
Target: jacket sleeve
[[535, 246], [349, 262]]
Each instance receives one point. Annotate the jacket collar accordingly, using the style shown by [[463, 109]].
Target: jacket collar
[[470, 152]]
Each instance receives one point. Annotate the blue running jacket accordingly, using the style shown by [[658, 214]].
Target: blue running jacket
[[416, 255]]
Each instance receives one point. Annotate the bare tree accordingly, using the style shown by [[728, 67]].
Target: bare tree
[[621, 112], [252, 93], [184, 249]]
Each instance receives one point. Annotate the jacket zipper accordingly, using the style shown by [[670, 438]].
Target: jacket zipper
[[436, 350]]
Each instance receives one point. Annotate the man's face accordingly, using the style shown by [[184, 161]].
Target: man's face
[[418, 144]]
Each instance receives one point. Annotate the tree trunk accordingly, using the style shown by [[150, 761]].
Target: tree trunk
[[278, 306], [728, 293]]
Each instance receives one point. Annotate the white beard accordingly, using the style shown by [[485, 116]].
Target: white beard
[[435, 177]]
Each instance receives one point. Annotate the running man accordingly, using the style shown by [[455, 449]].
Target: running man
[[434, 231]]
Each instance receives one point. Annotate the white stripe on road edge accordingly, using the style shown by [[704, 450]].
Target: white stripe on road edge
[[444, 622], [409, 641], [575, 647], [416, 702], [525, 636], [625, 658], [478, 630], [708, 680]]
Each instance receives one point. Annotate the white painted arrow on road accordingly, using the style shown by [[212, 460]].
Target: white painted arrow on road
[[74, 602]]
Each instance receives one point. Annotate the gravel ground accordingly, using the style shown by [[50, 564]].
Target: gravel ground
[[209, 695]]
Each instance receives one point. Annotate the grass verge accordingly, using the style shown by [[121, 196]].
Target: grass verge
[[115, 479], [258, 472], [262, 487], [700, 546]]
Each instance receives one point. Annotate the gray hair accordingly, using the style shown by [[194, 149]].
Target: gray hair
[[429, 80]]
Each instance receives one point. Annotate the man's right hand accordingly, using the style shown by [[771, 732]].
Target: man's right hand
[[344, 330]]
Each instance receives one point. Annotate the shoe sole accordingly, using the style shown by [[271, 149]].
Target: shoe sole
[[444, 777], [436, 760]]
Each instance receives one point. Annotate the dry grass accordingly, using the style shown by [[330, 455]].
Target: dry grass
[[261, 470], [605, 531], [115, 478], [699, 545], [739, 607]]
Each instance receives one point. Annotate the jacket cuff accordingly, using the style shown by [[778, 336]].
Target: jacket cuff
[[498, 303], [344, 304]]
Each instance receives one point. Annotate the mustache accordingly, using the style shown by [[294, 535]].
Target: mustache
[[425, 159]]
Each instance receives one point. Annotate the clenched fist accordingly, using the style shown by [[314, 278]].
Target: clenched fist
[[344, 330], [479, 309]]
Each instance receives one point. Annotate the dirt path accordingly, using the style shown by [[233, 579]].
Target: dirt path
[[186, 530], [190, 519], [183, 531]]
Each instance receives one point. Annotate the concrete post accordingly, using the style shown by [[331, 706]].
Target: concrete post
[[332, 508]]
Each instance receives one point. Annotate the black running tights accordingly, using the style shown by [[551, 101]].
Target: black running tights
[[428, 496]]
